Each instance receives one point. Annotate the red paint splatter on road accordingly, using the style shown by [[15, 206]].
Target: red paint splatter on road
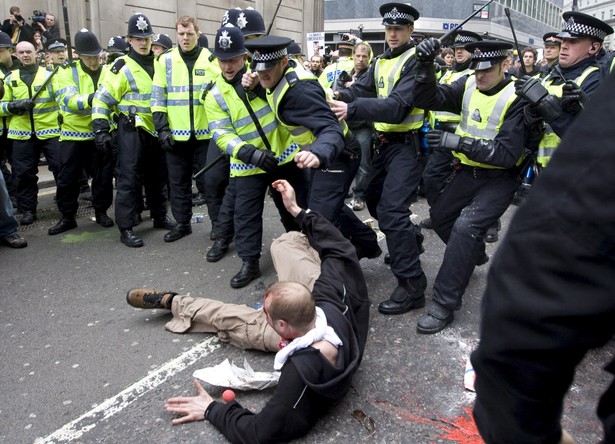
[[461, 429]]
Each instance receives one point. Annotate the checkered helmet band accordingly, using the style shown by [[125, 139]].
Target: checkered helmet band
[[394, 14], [489, 55], [582, 29], [463, 39], [258, 56]]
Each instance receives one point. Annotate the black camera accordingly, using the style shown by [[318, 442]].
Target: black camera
[[38, 16]]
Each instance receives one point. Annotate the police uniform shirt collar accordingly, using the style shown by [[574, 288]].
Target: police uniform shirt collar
[[398, 14], [267, 50], [579, 25]]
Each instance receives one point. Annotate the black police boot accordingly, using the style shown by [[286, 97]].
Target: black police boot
[[129, 238], [28, 217], [103, 220], [249, 271], [64, 224], [179, 231], [436, 319], [409, 294], [198, 200], [164, 223], [217, 251], [492, 234]]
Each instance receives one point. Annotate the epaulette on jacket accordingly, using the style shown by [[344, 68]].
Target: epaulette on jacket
[[292, 78], [119, 63]]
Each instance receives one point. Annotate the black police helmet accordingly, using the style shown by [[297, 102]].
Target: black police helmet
[[86, 43], [139, 26]]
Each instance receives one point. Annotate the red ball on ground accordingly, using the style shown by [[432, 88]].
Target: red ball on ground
[[228, 395]]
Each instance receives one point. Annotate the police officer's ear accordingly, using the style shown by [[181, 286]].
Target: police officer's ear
[[594, 48]]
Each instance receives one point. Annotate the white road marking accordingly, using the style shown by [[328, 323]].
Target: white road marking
[[86, 422]]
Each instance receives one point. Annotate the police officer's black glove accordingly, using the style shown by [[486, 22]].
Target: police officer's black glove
[[19, 107], [165, 139], [547, 105], [265, 160], [426, 50], [103, 141], [442, 140], [573, 97], [90, 99]]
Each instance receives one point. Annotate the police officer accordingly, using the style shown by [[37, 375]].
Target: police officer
[[182, 75], [116, 47], [161, 43], [560, 96], [56, 48], [330, 75], [127, 89], [328, 149], [262, 151], [385, 97], [33, 127], [488, 144], [74, 87], [552, 43]]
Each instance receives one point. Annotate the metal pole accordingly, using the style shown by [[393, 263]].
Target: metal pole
[[274, 16], [67, 31]]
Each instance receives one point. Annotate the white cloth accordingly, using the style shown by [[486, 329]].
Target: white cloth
[[318, 333]]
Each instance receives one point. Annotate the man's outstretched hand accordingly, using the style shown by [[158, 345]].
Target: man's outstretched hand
[[288, 196], [191, 407]]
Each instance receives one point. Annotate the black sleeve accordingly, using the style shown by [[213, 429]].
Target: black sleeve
[[392, 109], [436, 97], [305, 104], [52, 33], [7, 28], [281, 420]]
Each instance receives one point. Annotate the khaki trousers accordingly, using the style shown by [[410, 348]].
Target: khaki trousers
[[242, 326]]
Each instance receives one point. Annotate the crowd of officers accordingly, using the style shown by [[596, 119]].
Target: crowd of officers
[[252, 113]]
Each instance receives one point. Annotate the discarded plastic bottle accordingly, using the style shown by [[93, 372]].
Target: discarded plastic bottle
[[197, 218]]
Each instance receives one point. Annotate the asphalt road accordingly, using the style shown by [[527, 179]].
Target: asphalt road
[[80, 365]]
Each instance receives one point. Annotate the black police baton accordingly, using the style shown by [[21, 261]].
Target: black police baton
[[208, 166], [274, 16], [512, 29], [45, 83], [67, 31]]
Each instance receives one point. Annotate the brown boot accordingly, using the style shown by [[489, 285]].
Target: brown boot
[[145, 298]]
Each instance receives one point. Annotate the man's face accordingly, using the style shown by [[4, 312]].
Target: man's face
[[315, 63], [187, 37], [92, 62], [461, 55], [488, 78], [5, 56], [272, 76], [551, 53], [231, 67], [528, 59], [141, 45], [361, 58], [398, 36], [58, 57], [157, 49], [25, 53], [574, 50], [50, 21]]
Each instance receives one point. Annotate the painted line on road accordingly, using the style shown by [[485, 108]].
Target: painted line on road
[[86, 422]]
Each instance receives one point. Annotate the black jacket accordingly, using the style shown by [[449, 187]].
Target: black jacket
[[309, 385]]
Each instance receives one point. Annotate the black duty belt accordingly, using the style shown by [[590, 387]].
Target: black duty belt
[[486, 173], [396, 137]]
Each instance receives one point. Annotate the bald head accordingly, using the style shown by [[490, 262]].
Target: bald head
[[25, 53], [291, 302]]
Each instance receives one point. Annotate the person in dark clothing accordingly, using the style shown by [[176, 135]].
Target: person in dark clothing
[[549, 294], [488, 144], [17, 28], [323, 333]]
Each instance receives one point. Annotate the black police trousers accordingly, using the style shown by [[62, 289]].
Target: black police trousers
[[26, 155], [75, 156], [394, 178], [142, 162], [179, 165], [468, 205], [215, 180]]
